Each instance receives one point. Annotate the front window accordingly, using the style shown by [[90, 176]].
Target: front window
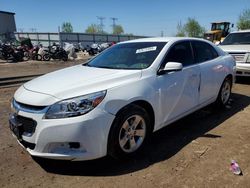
[[218, 26], [139, 55], [237, 38]]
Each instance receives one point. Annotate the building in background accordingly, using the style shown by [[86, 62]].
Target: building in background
[[7, 25]]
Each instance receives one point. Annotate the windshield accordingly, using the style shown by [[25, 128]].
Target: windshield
[[237, 38], [139, 55]]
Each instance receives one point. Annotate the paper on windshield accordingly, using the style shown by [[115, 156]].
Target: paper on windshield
[[148, 49]]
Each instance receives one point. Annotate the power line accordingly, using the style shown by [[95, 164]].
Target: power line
[[100, 18]]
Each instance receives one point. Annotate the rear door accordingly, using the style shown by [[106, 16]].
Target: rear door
[[209, 60]]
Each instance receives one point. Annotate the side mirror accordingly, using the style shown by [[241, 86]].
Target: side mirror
[[170, 67]]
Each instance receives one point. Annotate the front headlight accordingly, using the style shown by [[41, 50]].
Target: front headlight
[[75, 106]]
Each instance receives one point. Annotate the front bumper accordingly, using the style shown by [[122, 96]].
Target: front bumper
[[242, 69], [77, 138]]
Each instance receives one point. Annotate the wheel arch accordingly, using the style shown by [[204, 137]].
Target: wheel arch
[[148, 107], [230, 76]]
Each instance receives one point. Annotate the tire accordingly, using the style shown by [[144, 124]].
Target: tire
[[26, 56], [224, 94], [65, 57], [1, 55], [127, 137], [46, 57]]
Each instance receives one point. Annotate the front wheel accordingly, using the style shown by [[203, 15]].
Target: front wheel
[[129, 132], [26, 56], [225, 93]]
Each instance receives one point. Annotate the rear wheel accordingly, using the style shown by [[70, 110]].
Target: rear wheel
[[65, 57], [225, 93], [129, 132], [46, 57], [1, 55]]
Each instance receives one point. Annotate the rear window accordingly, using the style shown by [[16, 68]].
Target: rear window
[[203, 51]]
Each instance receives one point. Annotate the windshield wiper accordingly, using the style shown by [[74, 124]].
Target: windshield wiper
[[106, 67]]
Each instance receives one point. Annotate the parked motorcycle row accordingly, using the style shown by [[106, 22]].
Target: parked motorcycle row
[[95, 48], [27, 51], [13, 53]]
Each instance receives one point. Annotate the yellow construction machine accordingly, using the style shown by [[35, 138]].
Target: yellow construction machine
[[219, 30]]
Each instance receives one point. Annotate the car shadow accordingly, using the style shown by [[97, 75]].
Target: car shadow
[[163, 144], [243, 80]]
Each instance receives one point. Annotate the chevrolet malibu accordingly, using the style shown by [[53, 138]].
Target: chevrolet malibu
[[111, 104]]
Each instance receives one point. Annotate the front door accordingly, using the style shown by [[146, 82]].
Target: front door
[[179, 91]]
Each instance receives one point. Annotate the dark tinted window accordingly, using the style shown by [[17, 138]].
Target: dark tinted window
[[203, 51], [237, 38], [181, 53]]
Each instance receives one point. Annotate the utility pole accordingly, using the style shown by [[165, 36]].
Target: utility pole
[[33, 30], [21, 30], [114, 20], [100, 18], [162, 33]]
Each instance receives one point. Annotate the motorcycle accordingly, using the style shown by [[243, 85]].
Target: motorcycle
[[32, 53], [97, 48], [55, 52], [9, 52]]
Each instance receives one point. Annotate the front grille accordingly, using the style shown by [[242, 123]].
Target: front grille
[[238, 56], [28, 125], [28, 107]]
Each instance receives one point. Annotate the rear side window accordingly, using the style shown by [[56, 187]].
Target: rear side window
[[203, 51], [181, 53]]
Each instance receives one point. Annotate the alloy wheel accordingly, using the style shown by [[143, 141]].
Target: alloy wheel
[[132, 133]]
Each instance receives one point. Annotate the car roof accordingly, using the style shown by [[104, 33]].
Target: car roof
[[242, 31], [219, 22], [163, 39]]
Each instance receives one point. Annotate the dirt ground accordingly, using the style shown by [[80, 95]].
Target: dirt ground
[[34, 67], [193, 152]]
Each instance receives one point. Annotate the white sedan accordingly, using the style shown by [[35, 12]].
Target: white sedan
[[112, 104]]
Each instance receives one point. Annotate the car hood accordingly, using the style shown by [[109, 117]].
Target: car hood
[[80, 80], [235, 48]]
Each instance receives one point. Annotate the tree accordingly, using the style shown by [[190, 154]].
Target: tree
[[67, 27], [193, 29], [244, 20], [93, 29], [117, 30], [180, 30]]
